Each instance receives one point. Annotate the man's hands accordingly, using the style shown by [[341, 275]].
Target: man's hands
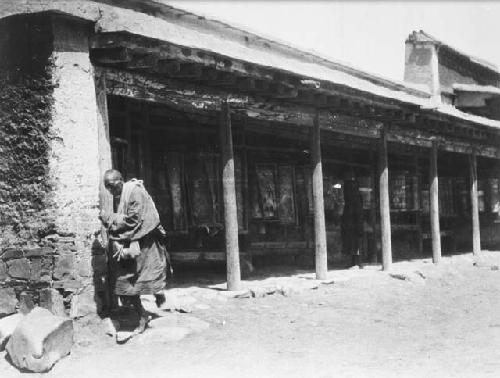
[[104, 217], [119, 251]]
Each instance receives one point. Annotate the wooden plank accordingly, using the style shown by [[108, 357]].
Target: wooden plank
[[319, 208], [434, 204], [385, 212], [229, 199], [476, 238]]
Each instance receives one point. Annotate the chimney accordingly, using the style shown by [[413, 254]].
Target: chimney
[[421, 62]]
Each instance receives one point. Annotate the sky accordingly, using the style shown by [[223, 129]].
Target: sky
[[366, 35]]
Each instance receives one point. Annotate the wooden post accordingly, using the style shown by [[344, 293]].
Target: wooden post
[[146, 146], [476, 238], [321, 260], [373, 207], [416, 205], [229, 199], [385, 211], [434, 205]]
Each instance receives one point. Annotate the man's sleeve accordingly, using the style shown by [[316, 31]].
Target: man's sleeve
[[133, 218]]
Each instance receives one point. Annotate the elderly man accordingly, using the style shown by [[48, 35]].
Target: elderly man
[[139, 258]]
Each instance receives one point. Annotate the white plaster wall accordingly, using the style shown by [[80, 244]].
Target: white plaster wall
[[74, 163]]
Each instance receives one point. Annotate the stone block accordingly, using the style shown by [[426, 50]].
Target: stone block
[[65, 248], [12, 253], [40, 340], [83, 268], [51, 300], [37, 252], [19, 268], [47, 269], [288, 291], [236, 294], [181, 303], [52, 238], [64, 267], [8, 301], [7, 327], [258, 292], [67, 285], [3, 271], [36, 270], [163, 335], [84, 303], [26, 303]]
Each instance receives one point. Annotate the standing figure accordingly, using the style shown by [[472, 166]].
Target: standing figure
[[352, 220], [138, 258]]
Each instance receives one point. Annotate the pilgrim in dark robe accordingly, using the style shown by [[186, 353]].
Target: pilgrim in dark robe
[[139, 260], [352, 221]]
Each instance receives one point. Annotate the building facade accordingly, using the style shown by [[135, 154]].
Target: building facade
[[243, 143]]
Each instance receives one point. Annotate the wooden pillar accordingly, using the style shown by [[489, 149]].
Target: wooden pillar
[[373, 207], [321, 261], [229, 199], [416, 205], [146, 146], [476, 238], [385, 211], [434, 205]]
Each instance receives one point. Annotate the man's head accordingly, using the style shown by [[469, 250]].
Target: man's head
[[113, 181]]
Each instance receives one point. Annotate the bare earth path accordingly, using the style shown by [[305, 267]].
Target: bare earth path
[[371, 325]]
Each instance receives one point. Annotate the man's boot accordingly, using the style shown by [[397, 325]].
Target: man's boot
[[143, 316]]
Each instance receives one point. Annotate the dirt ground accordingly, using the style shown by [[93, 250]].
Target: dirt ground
[[421, 321]]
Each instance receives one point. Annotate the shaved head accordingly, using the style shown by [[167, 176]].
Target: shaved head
[[112, 174], [113, 181]]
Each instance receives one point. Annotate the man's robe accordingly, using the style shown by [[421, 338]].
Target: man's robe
[[352, 220], [136, 225]]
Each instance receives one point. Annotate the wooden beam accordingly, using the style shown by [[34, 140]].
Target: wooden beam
[[142, 62], [282, 90], [246, 84], [434, 205], [385, 211], [262, 85], [177, 69], [229, 199], [225, 78], [169, 67], [196, 98], [476, 238], [209, 74], [319, 209], [111, 55]]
